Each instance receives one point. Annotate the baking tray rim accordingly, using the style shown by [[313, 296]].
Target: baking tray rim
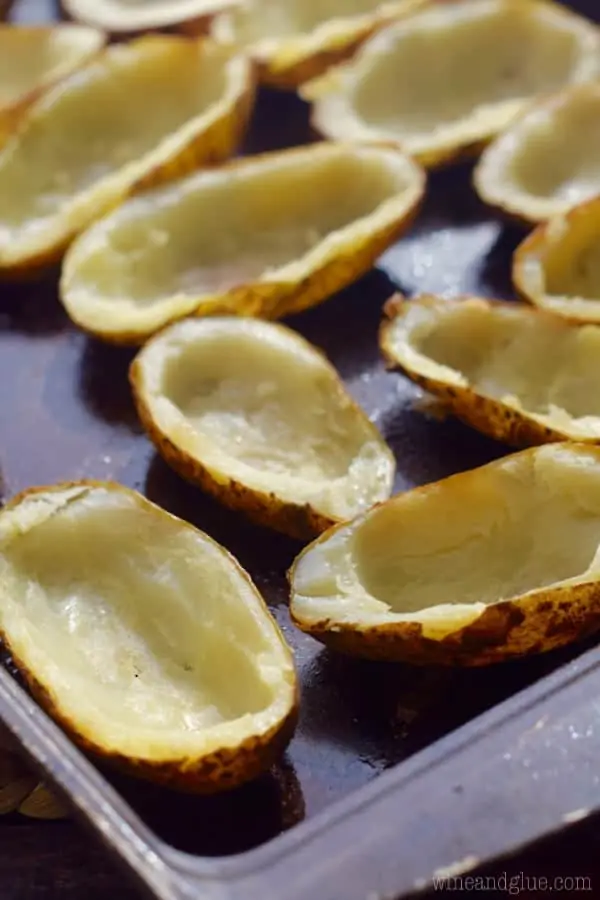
[[169, 873]]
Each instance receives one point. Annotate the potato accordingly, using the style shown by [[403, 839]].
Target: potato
[[547, 162], [122, 17], [34, 59], [557, 267], [295, 40], [488, 565], [444, 81], [517, 374], [90, 142], [266, 236], [257, 417], [143, 638]]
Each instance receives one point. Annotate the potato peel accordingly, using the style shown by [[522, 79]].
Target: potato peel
[[486, 566], [255, 416], [518, 375], [54, 188], [294, 227], [545, 164], [557, 266], [164, 663], [287, 52], [413, 84]]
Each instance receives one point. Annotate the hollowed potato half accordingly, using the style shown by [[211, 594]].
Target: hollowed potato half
[[91, 141], [130, 16], [143, 638], [33, 59], [294, 40], [548, 161], [557, 266], [266, 236], [516, 373], [445, 80], [256, 416], [485, 566]]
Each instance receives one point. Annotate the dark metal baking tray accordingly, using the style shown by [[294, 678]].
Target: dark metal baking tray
[[395, 773]]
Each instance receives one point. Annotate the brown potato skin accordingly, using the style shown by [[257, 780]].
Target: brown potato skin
[[223, 770], [510, 630], [485, 414], [213, 146], [535, 623], [275, 300], [534, 243], [289, 76], [302, 523]]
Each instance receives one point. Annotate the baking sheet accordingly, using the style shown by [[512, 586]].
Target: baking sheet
[[66, 413]]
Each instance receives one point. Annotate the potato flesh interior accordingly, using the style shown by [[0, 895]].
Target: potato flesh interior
[[262, 19], [571, 261], [98, 125], [231, 231], [557, 154], [429, 79], [502, 353], [32, 58], [136, 617], [527, 524], [257, 403]]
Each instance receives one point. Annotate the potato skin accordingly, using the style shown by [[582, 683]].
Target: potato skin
[[535, 623], [485, 414], [287, 70], [302, 523], [223, 770], [275, 300], [289, 74], [220, 771], [215, 145], [538, 243], [519, 218], [506, 631]]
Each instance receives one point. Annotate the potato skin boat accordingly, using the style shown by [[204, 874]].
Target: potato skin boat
[[538, 247], [208, 146], [334, 116], [221, 770], [299, 59], [537, 622], [268, 510], [485, 414], [501, 634], [271, 299], [299, 521], [517, 205]]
